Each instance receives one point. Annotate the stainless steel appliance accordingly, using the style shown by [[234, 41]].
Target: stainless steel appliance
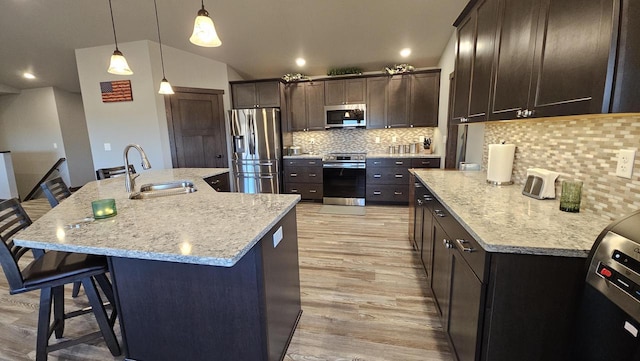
[[256, 143], [344, 177], [345, 116], [608, 325]]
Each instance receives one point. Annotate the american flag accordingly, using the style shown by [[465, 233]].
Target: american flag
[[116, 91]]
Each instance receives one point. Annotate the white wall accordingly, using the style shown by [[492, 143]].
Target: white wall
[[447, 65], [143, 120], [75, 136], [29, 128]]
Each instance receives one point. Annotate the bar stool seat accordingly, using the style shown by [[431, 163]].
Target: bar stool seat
[[56, 268]]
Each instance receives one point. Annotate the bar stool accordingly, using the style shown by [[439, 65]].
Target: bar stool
[[49, 272]]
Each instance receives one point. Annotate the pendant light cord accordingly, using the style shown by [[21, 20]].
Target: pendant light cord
[[113, 25], [159, 41]]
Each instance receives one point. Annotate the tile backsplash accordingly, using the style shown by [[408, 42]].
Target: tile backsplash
[[358, 140], [583, 148]]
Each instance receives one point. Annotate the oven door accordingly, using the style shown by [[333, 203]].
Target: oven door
[[344, 183]]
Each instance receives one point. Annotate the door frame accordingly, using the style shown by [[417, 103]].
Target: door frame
[[169, 115]]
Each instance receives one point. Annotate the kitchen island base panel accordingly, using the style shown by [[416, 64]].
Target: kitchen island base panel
[[174, 311]]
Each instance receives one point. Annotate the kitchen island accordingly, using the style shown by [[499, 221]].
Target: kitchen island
[[197, 276]]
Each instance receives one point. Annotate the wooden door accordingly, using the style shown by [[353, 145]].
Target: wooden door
[[398, 101], [572, 54], [334, 92], [376, 102], [356, 91], [268, 94], [464, 67], [297, 108], [514, 60], [244, 95], [425, 97], [486, 20], [197, 131], [315, 106], [440, 277]]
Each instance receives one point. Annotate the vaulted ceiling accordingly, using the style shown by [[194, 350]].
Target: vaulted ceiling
[[260, 38]]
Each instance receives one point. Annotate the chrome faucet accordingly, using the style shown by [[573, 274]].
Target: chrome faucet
[[129, 179]]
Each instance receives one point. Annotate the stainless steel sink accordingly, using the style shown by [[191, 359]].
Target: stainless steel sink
[[154, 190]]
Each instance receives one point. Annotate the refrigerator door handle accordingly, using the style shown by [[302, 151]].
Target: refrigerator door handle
[[252, 135]]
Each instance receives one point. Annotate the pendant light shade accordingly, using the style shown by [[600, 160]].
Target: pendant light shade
[[118, 64], [204, 32], [165, 87]]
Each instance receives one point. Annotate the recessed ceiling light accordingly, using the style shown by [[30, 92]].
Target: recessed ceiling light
[[405, 52], [300, 62], [28, 75]]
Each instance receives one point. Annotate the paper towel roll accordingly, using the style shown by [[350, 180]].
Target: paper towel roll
[[500, 163]]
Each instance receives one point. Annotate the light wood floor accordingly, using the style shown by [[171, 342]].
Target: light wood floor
[[364, 296]]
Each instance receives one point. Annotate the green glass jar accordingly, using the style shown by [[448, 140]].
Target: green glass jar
[[570, 196]]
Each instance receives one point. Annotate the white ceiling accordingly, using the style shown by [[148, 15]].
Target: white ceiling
[[260, 38]]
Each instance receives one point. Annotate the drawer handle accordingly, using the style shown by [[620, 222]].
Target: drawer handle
[[397, 193], [428, 198], [313, 191], [461, 244], [294, 190], [215, 182], [377, 163], [399, 162], [425, 163], [399, 176], [312, 174], [377, 176], [377, 193], [293, 174], [312, 162]]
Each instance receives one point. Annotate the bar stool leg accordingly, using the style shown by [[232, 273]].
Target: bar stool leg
[[76, 289], [101, 316], [58, 310], [44, 314]]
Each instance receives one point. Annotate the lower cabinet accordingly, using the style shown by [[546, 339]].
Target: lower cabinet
[[303, 177], [388, 178], [497, 306], [219, 182]]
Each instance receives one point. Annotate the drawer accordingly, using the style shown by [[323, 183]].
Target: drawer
[[388, 193], [311, 191], [303, 162], [302, 174], [388, 175], [219, 182], [468, 247], [425, 163], [389, 162]]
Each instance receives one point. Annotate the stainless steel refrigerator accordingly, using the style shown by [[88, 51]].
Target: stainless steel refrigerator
[[256, 143]]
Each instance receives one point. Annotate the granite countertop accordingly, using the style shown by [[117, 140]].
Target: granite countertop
[[204, 227], [503, 220]]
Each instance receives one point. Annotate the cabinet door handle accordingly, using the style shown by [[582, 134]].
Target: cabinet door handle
[[312, 162], [461, 244], [425, 162], [397, 193], [377, 163], [399, 175], [312, 191], [215, 182], [447, 243], [377, 176], [377, 193], [312, 174], [399, 162], [293, 174]]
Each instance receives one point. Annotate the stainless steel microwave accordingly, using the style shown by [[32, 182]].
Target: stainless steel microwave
[[345, 116]]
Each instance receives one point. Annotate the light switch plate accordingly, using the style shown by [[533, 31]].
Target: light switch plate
[[277, 237], [107, 147], [626, 158]]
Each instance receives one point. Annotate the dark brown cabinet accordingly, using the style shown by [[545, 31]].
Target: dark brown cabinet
[[474, 60], [345, 91], [388, 179], [306, 105], [552, 58], [303, 176], [219, 182], [402, 101], [263, 94]]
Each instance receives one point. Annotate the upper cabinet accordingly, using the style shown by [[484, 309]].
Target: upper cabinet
[[552, 58], [306, 105], [262, 94], [407, 100], [538, 58], [474, 60], [345, 91]]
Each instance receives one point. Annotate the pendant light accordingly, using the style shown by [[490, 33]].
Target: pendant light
[[204, 32], [118, 64], [165, 87]]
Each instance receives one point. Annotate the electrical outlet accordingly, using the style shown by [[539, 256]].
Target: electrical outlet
[[393, 139], [626, 157]]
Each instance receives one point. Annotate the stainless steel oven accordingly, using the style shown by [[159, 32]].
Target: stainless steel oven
[[344, 177]]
